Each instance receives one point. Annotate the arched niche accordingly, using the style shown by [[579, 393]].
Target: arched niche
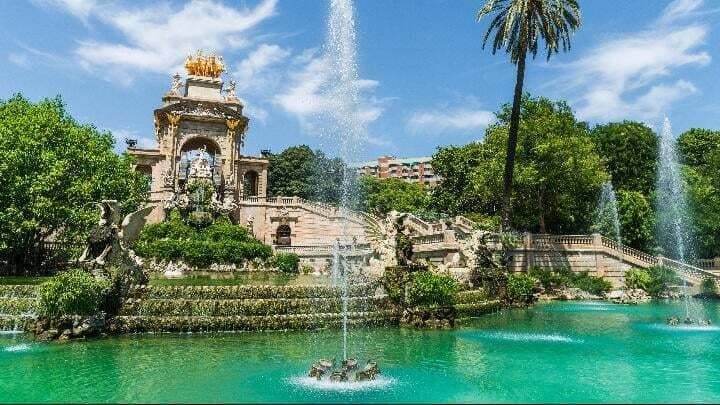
[[250, 183], [283, 235]]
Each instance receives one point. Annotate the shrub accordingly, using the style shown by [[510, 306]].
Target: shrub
[[593, 285], [222, 243], [708, 286], [431, 289], [654, 280], [552, 278], [520, 286], [73, 292], [286, 262], [637, 278]]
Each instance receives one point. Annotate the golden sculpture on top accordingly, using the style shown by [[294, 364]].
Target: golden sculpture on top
[[206, 66]]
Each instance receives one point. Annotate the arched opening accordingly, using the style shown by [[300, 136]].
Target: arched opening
[[146, 170], [282, 235], [250, 184], [203, 153]]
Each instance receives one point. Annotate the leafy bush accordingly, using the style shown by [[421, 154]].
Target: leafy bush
[[286, 262], [432, 289], [222, 242], [565, 277], [73, 292], [637, 278], [654, 280], [593, 285], [708, 286], [520, 286]]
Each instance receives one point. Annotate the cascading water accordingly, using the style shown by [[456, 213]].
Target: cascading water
[[673, 215]]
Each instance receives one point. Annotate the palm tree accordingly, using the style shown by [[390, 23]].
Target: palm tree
[[518, 26]]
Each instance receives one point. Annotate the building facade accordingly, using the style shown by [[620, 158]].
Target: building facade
[[413, 170], [200, 131]]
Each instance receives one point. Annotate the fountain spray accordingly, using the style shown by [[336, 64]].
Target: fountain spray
[[672, 208]]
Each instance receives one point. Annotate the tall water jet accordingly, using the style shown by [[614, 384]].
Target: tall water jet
[[607, 220], [346, 129], [673, 215]]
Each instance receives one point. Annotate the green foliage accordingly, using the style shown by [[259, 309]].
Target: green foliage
[[380, 196], [553, 279], [697, 146], [73, 292], [520, 287], [553, 146], [592, 284], [300, 171], [637, 220], [52, 169], [654, 280], [429, 289], [708, 286], [222, 243], [629, 150], [286, 262], [703, 188], [200, 193]]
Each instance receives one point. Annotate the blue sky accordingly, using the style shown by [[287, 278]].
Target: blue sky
[[425, 80]]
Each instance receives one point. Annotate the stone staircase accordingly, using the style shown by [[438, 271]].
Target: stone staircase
[[248, 308], [16, 306]]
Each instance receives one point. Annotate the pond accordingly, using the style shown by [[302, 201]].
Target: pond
[[558, 352]]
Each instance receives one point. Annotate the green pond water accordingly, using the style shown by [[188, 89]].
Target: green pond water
[[559, 352]]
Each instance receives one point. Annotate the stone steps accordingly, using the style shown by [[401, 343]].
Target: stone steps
[[247, 292], [139, 324], [16, 306], [17, 291], [249, 307]]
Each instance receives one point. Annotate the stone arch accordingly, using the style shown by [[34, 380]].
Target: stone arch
[[250, 183], [197, 142], [283, 235]]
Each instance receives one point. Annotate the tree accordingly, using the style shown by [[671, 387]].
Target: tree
[[52, 169], [637, 220], [697, 146], [455, 194], [700, 152], [558, 175], [518, 26], [300, 171], [380, 196], [629, 150]]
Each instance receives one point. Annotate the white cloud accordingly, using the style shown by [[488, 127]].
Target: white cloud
[[442, 120], [633, 76], [255, 71], [19, 59], [679, 9], [311, 98], [79, 8], [157, 38]]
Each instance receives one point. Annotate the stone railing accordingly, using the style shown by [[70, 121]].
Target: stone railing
[[690, 271], [709, 264], [627, 251], [428, 239], [566, 240], [325, 250], [324, 209], [465, 223]]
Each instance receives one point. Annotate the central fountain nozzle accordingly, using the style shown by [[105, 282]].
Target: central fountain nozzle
[[347, 372]]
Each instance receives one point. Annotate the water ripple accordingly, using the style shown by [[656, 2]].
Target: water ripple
[[379, 383], [528, 337], [23, 347]]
